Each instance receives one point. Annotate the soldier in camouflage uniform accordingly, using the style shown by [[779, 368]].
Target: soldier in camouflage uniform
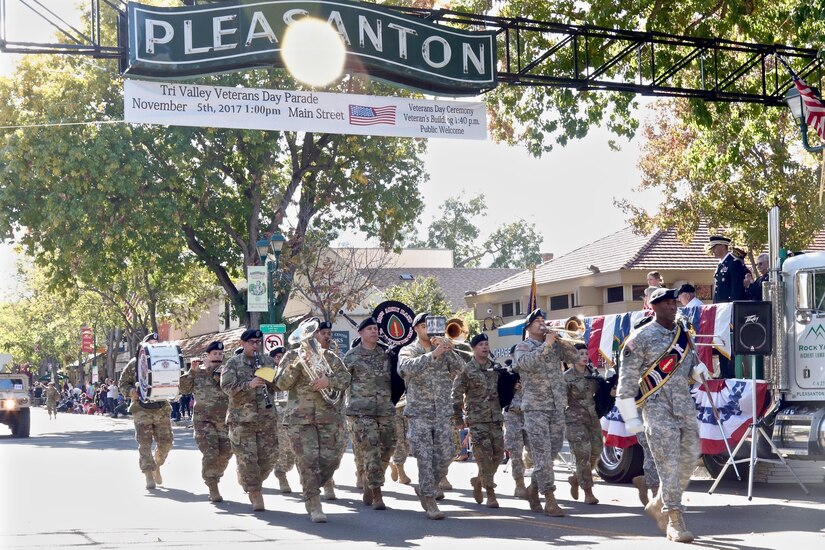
[[315, 427], [286, 458], [476, 404], [324, 338], [52, 398], [428, 371], [538, 360], [649, 481], [253, 428], [370, 409], [514, 440], [668, 411], [583, 429], [211, 403], [153, 422], [402, 446]]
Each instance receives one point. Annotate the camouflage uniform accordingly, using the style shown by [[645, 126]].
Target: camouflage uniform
[[584, 431], [543, 402], [428, 411], [314, 426], [253, 429], [371, 411], [475, 396], [669, 414], [648, 466], [514, 435], [52, 398], [153, 421], [286, 458], [402, 446], [211, 432]]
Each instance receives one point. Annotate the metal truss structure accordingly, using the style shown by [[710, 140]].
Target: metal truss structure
[[539, 53]]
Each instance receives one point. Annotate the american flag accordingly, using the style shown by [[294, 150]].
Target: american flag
[[813, 108], [360, 115]]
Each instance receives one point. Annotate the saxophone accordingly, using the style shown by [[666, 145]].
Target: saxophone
[[318, 366]]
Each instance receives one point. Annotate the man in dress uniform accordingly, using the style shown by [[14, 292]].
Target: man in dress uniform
[[476, 404], [657, 367], [211, 403], [370, 410], [428, 369], [153, 421], [728, 285], [538, 359], [253, 427], [286, 459]]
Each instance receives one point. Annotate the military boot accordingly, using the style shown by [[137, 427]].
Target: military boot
[[150, 479], [329, 490], [521, 490], [378, 499], [431, 508], [676, 530], [533, 497], [477, 495], [283, 483], [359, 479], [316, 513], [491, 498], [641, 486], [156, 475], [445, 485], [654, 511], [257, 500], [403, 478], [393, 472], [551, 507], [368, 496], [574, 486], [214, 494], [589, 497]]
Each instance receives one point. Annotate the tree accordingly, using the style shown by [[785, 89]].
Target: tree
[[515, 244], [422, 294]]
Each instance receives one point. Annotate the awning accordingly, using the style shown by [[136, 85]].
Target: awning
[[513, 328]]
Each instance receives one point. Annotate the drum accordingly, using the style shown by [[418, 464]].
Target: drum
[[158, 371]]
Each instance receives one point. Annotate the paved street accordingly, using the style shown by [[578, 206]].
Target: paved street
[[75, 483]]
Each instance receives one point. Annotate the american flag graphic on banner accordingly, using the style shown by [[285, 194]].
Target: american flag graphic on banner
[[813, 108], [361, 115]]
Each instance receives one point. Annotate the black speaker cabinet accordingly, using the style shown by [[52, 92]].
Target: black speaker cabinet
[[752, 328]]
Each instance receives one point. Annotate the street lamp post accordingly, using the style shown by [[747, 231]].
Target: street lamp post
[[267, 248], [794, 100]]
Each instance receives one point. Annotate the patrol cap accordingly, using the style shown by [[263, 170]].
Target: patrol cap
[[276, 351], [250, 333], [216, 345], [150, 336], [420, 318], [324, 324], [532, 316], [368, 322], [661, 294], [687, 288], [479, 338]]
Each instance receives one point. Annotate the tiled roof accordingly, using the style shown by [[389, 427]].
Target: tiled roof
[[455, 282], [196, 345]]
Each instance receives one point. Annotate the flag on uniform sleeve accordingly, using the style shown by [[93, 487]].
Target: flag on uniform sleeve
[[813, 110], [734, 401]]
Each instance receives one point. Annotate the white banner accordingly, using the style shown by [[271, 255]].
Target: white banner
[[258, 109], [256, 289]]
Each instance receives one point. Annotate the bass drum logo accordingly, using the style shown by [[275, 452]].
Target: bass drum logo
[[395, 322]]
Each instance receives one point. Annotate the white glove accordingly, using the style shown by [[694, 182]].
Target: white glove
[[630, 415], [699, 371]]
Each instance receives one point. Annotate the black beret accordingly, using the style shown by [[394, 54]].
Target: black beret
[[239, 350], [276, 351], [687, 288], [661, 294], [324, 324], [250, 333], [579, 345], [368, 322], [479, 338], [150, 336], [216, 345], [420, 318], [532, 316]]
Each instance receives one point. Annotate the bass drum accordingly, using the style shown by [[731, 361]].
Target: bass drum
[[620, 465], [159, 367]]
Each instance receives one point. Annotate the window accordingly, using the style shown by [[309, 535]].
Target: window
[[510, 309], [406, 277], [559, 302], [615, 294], [638, 293]]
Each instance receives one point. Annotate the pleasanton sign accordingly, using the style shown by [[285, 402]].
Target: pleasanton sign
[[227, 36]]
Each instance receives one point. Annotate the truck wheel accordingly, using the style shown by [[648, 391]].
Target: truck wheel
[[715, 463], [620, 465], [22, 424]]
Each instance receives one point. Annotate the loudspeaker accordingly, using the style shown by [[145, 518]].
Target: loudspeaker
[[752, 328]]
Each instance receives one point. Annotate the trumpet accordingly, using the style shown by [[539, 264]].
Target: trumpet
[[573, 331], [455, 334], [317, 366]]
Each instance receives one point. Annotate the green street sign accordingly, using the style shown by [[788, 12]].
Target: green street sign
[[277, 328], [168, 43]]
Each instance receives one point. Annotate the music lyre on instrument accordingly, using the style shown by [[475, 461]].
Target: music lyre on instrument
[[159, 367]]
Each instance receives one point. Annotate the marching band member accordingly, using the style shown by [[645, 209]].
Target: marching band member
[[153, 421], [428, 371], [314, 425], [211, 404], [252, 420], [538, 360], [402, 446], [286, 458], [656, 370], [324, 338], [370, 410], [476, 404]]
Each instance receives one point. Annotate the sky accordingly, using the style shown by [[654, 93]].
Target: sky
[[568, 193]]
